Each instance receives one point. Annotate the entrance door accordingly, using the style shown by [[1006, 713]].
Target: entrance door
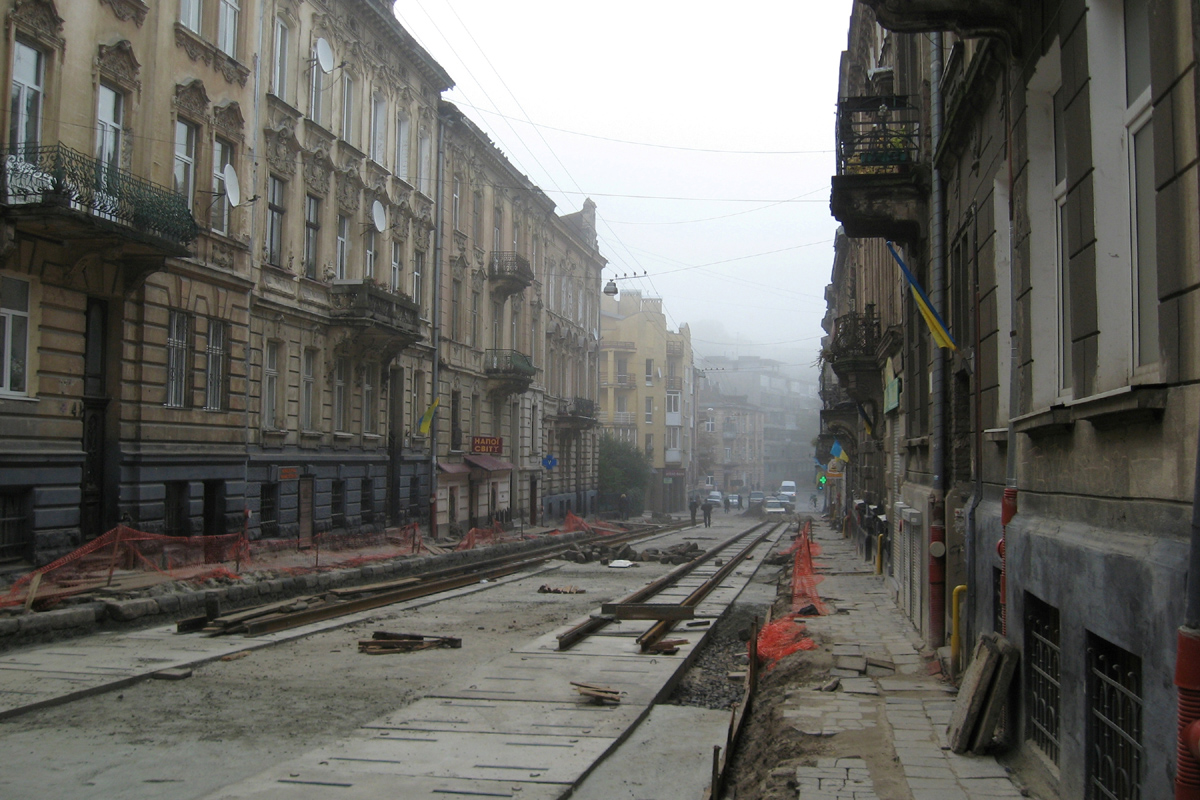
[[94, 508], [533, 501], [306, 512], [395, 443], [472, 504]]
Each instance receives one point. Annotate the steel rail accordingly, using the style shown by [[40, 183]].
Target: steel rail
[[584, 629], [664, 626]]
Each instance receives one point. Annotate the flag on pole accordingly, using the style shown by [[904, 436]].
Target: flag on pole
[[838, 453], [427, 417], [937, 328], [862, 412]]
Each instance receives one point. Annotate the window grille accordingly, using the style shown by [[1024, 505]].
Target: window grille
[[1042, 675], [15, 540], [1114, 722]]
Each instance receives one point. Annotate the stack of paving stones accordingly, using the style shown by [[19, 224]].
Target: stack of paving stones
[[879, 680]]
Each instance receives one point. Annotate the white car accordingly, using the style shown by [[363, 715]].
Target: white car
[[715, 498], [773, 506]]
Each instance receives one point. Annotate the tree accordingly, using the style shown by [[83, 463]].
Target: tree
[[623, 469]]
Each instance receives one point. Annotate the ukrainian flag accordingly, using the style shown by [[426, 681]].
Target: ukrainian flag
[[937, 328], [427, 418]]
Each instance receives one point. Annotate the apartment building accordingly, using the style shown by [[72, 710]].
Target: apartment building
[[228, 277], [1034, 165], [648, 392]]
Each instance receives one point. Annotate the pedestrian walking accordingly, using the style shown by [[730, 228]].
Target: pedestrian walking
[[623, 506], [726, 504], [693, 506], [707, 509]]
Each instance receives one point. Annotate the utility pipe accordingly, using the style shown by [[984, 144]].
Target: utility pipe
[[879, 555], [937, 280], [955, 632], [435, 317], [1187, 665]]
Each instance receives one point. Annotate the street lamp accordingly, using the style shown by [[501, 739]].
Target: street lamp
[[610, 288]]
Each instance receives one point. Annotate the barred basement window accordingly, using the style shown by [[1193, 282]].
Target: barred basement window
[[269, 509], [1042, 675], [15, 536], [176, 514], [1114, 722], [217, 353], [337, 504], [178, 368]]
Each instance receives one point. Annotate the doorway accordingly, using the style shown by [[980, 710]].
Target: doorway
[[94, 508], [305, 531], [533, 501]]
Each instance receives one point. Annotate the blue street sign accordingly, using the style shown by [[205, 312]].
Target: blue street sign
[[549, 462]]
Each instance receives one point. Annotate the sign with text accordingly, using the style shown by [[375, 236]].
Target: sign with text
[[492, 445], [289, 473]]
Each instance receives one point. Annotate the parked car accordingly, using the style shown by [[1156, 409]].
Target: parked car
[[734, 500], [716, 498], [773, 506], [756, 498]]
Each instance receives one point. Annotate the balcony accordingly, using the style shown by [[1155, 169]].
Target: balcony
[[674, 383], [509, 273], [852, 353], [373, 319], [881, 184], [580, 412], [509, 372], [618, 381], [56, 192], [624, 418], [966, 17], [606, 344], [674, 349], [673, 456]]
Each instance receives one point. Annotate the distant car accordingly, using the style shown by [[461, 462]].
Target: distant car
[[756, 498], [773, 506], [788, 489], [715, 498], [734, 500]]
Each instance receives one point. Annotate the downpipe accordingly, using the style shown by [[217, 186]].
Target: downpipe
[[937, 269], [1187, 665]]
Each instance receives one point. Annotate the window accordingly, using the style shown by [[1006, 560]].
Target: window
[[341, 405], [397, 270], [673, 402], [424, 157], [650, 444], [378, 128], [268, 510], [710, 425], [649, 409], [474, 319], [455, 303], [1042, 675], [227, 27], [649, 371], [14, 334], [348, 108], [1114, 721], [275, 213], [222, 157], [402, 134], [497, 316], [497, 218], [316, 90], [454, 203], [216, 365], [279, 77], [366, 499], [312, 234], [1063, 251], [270, 387], [674, 434], [176, 512], [189, 14], [109, 125], [185, 160], [456, 434], [25, 119], [178, 366], [343, 246], [418, 268], [515, 326], [370, 410], [369, 254], [1140, 146], [476, 216], [308, 390]]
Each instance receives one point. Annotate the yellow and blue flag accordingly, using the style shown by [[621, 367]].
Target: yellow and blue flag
[[862, 412], [427, 418], [937, 328], [838, 453]]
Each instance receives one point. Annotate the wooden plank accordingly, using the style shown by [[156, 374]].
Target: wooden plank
[[973, 693], [31, 594], [344, 591], [997, 698], [227, 620], [648, 611]]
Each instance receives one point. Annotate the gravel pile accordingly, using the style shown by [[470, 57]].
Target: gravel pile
[[706, 683]]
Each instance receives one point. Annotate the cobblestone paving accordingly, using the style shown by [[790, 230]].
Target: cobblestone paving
[[884, 684]]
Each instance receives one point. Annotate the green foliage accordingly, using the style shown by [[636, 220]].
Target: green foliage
[[623, 468]]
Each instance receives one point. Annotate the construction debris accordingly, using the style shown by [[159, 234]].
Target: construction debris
[[599, 694], [548, 589], [382, 642], [172, 674]]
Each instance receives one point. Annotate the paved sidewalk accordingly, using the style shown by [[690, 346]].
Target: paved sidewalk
[[884, 730]]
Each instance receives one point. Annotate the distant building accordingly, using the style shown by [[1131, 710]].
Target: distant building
[[648, 392]]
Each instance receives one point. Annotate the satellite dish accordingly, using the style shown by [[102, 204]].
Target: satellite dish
[[324, 56], [379, 216], [233, 187]]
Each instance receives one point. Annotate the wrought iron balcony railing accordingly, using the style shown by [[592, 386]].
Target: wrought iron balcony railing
[[674, 348], [56, 175], [510, 272], [608, 344], [509, 361], [855, 335], [878, 135], [674, 383], [581, 407]]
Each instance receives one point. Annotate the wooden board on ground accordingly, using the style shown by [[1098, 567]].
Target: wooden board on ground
[[343, 591], [973, 693], [997, 697], [672, 611]]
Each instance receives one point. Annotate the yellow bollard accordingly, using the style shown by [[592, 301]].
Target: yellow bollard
[[879, 555], [955, 634]]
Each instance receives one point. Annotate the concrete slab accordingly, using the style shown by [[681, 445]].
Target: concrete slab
[[321, 783], [474, 716]]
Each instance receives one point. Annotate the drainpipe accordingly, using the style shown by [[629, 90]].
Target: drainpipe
[[436, 322], [1008, 504], [1187, 666], [937, 280]]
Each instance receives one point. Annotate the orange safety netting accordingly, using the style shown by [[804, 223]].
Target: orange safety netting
[[493, 534], [782, 637], [573, 522], [804, 573]]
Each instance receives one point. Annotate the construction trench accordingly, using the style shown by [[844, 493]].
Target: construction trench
[[482, 689]]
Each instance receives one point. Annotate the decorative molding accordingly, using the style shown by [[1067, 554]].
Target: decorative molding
[[192, 99], [40, 18], [228, 119], [117, 63], [281, 149], [349, 190], [317, 169], [196, 48], [232, 69], [126, 10], [199, 50]]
